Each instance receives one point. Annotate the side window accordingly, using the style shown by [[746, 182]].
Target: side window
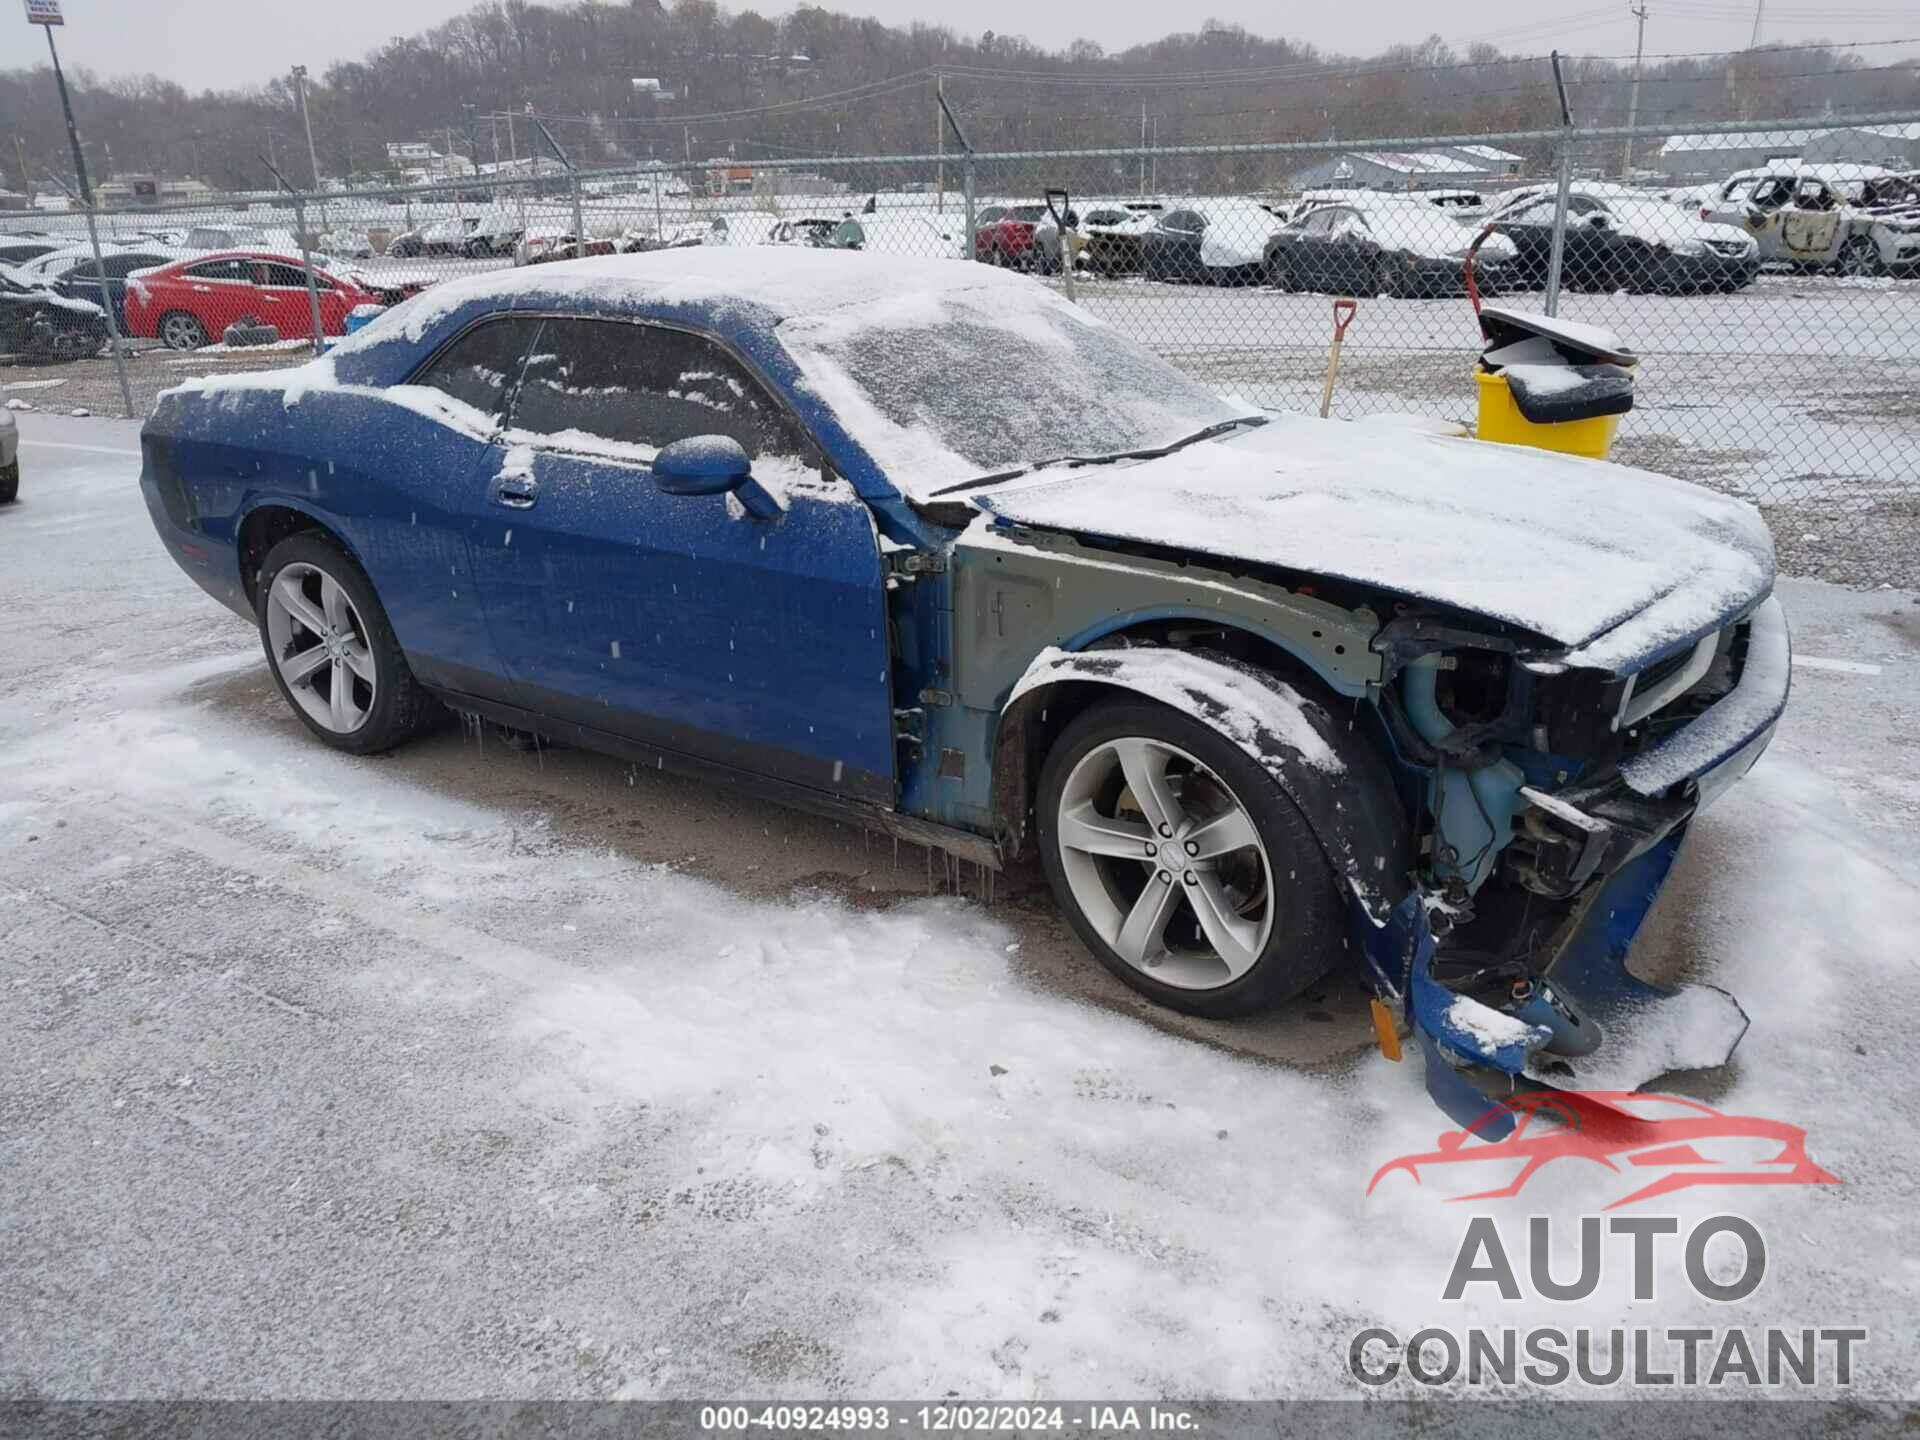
[[234, 269], [121, 266], [482, 365], [646, 385], [274, 273]]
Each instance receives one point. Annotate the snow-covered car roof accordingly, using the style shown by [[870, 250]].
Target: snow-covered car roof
[[1415, 226], [915, 372], [1834, 172], [779, 284]]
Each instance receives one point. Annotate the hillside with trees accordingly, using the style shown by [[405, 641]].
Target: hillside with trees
[[820, 83]]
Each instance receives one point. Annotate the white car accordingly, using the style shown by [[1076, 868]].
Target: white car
[[1804, 214]]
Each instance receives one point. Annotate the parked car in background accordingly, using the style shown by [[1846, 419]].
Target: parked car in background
[[1621, 239], [76, 274], [38, 323], [18, 249], [495, 233], [1215, 242], [231, 237], [1007, 239], [1112, 232], [1886, 227], [1796, 212], [1260, 694], [1382, 245], [821, 231], [544, 243], [436, 237], [190, 303], [349, 242]]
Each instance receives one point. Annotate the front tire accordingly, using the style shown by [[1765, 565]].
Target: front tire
[[1181, 864], [331, 649], [1860, 257]]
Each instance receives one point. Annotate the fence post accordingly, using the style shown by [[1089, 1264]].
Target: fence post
[[579, 225], [1556, 256], [306, 257], [113, 325], [966, 176]]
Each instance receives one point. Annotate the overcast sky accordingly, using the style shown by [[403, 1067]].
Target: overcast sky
[[220, 43]]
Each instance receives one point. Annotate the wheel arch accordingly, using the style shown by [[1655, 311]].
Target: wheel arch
[[265, 524], [1352, 808]]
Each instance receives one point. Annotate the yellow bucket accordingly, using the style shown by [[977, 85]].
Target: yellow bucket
[[1501, 422]]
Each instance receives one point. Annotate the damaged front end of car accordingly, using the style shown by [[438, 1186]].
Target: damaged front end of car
[[1554, 795]]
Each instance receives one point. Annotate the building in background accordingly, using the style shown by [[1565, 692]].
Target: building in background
[[420, 164], [1409, 170], [131, 190], [1714, 157]]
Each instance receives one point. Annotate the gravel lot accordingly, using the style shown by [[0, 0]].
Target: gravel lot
[[472, 1072]]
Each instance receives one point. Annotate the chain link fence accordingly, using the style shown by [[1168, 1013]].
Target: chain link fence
[[1773, 303]]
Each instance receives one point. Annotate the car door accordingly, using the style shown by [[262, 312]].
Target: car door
[[219, 292], [1352, 255], [1308, 249], [408, 482], [1810, 228], [1530, 228], [676, 621], [283, 291]]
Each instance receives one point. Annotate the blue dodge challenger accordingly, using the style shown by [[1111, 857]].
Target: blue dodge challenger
[[921, 545]]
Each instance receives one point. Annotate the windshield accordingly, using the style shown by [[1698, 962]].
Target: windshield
[[943, 387]]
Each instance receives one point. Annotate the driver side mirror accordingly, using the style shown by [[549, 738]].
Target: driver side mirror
[[713, 465], [1600, 221]]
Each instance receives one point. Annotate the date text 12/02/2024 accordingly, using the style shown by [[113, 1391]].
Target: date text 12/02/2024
[[948, 1417]]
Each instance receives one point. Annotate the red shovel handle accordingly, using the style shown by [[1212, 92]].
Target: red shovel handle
[[1343, 313]]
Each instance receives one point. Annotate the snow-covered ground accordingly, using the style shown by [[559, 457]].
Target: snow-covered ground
[[471, 1071]]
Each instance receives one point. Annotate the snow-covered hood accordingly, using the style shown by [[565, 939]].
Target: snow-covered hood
[[1613, 563], [1659, 223]]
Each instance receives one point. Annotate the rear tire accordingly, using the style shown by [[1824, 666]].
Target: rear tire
[[331, 649], [1217, 934], [10, 483], [182, 331]]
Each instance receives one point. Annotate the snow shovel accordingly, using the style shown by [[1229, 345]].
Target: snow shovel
[[1343, 313]]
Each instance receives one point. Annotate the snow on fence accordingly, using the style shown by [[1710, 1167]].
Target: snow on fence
[[1773, 299]]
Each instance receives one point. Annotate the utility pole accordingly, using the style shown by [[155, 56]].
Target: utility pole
[[1633, 96], [306, 119], [47, 17], [26, 175], [1759, 9], [1143, 149], [940, 139]]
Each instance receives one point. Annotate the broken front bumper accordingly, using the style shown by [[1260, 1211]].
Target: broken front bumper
[[1618, 842]]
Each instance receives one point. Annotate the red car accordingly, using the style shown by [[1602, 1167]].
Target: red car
[[192, 302], [1007, 239]]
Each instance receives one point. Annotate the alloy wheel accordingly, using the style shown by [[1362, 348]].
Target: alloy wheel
[[182, 332], [1166, 864], [319, 646]]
